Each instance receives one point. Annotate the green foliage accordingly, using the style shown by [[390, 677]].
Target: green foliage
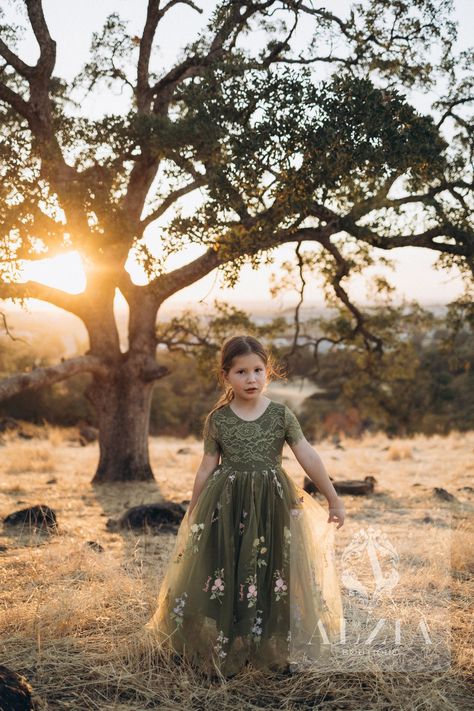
[[423, 382], [336, 143]]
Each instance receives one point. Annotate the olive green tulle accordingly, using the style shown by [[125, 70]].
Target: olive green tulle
[[251, 577]]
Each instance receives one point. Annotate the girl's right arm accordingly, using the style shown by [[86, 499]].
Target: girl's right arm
[[208, 463]]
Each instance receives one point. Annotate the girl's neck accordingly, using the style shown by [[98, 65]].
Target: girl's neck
[[249, 408]]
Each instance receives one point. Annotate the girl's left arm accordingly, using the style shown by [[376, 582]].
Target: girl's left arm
[[315, 469]]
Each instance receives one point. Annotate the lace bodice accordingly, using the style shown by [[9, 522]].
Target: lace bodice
[[252, 444]]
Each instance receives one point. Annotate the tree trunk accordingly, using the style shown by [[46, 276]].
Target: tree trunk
[[122, 402]]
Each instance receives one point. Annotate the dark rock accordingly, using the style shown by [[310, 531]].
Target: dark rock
[[469, 489], [95, 546], [8, 423], [15, 691], [3, 548], [52, 481], [427, 519], [39, 516], [161, 516], [25, 435], [309, 486], [88, 434], [184, 450], [356, 487], [443, 494]]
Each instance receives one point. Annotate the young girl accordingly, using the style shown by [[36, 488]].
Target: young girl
[[251, 577]]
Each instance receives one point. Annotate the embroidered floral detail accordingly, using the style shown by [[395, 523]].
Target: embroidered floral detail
[[257, 626], [286, 545], [241, 593], [192, 544], [293, 431], [259, 550], [217, 590], [296, 513], [280, 588], [219, 646], [242, 524], [206, 586], [252, 589], [178, 609], [277, 484]]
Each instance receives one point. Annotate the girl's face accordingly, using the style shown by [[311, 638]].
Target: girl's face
[[247, 376]]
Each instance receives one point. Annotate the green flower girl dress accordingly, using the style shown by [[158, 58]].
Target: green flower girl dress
[[252, 576]]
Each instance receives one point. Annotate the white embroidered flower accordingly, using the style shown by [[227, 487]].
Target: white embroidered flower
[[220, 642]]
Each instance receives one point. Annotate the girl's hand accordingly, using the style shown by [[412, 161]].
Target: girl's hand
[[337, 513]]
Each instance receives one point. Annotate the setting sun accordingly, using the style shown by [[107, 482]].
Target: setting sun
[[65, 272]]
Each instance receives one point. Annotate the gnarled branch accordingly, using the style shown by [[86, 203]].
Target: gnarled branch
[[73, 303], [39, 377]]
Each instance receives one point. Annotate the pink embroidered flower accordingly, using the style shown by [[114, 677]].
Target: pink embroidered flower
[[280, 585], [252, 589], [218, 584], [217, 590]]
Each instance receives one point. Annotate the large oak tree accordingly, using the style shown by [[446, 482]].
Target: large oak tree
[[280, 145]]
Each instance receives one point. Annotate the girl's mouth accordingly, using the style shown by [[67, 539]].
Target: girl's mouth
[[251, 390]]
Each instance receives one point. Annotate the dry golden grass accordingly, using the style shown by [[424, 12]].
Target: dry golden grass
[[71, 618]]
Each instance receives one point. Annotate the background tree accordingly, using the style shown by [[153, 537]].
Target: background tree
[[276, 156]]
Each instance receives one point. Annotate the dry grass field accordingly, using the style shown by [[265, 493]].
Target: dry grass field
[[71, 617]]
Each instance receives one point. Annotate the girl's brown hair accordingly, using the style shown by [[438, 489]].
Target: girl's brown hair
[[233, 348]]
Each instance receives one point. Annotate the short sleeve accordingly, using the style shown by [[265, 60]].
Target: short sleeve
[[211, 439], [293, 431]]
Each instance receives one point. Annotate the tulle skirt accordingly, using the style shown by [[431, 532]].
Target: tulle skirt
[[251, 578]]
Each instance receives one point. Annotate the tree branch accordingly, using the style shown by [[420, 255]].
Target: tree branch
[[34, 290], [45, 65], [424, 239], [14, 100], [39, 377], [170, 199], [380, 200], [14, 61]]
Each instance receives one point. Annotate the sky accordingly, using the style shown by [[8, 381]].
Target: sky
[[71, 23]]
